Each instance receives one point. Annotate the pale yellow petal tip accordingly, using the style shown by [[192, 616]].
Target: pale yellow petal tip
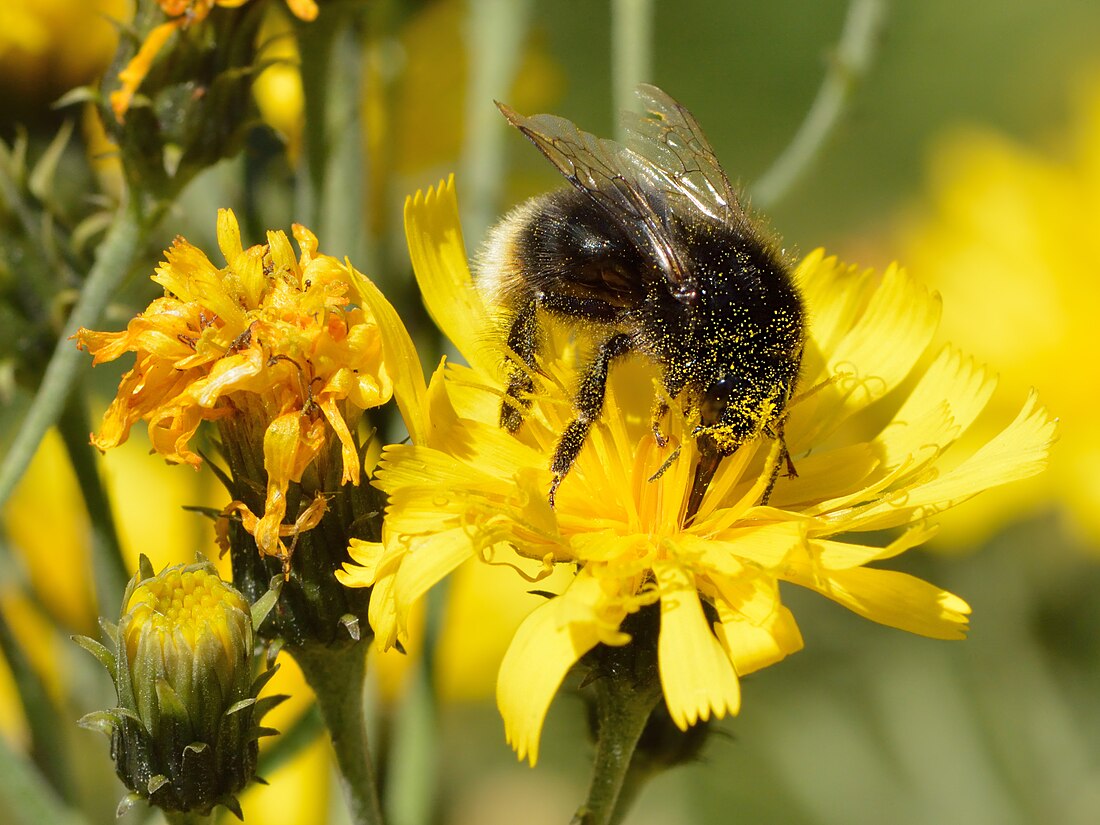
[[229, 235], [526, 748], [441, 196]]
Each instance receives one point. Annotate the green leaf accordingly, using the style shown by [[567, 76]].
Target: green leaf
[[40, 182], [81, 94], [262, 606]]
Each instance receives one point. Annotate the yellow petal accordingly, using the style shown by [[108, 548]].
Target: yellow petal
[[890, 598], [892, 329], [755, 645], [428, 562], [543, 650], [382, 615], [229, 235], [1017, 452], [303, 9], [696, 674], [281, 440], [138, 67], [438, 256], [401, 359], [949, 396]]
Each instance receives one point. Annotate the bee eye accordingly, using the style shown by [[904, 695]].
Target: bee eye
[[721, 389], [717, 398]]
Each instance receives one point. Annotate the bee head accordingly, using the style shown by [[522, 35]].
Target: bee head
[[737, 407]]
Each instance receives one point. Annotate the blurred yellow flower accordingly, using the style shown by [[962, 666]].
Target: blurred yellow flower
[[271, 347], [1010, 239], [278, 88], [49, 46], [182, 14], [466, 489]]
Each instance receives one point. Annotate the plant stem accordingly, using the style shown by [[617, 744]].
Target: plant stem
[[337, 676], [494, 34], [623, 707], [116, 254], [849, 63], [108, 565], [631, 52]]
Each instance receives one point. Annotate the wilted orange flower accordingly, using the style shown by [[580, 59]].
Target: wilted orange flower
[[183, 13], [272, 347]]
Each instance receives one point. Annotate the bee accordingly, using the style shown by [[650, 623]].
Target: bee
[[652, 248]]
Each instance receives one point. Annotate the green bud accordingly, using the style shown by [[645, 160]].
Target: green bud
[[189, 101], [184, 734]]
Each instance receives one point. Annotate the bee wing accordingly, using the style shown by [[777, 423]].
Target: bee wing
[[670, 137], [621, 181]]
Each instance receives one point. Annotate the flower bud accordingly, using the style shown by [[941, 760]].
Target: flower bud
[[184, 733]]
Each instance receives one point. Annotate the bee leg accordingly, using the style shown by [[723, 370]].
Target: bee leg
[[783, 457], [673, 386], [588, 404], [660, 408], [523, 339]]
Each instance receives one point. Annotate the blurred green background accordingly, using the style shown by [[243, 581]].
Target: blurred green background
[[867, 724]]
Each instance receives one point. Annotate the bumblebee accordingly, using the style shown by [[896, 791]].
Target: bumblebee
[[651, 248]]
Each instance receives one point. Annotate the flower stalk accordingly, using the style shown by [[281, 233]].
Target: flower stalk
[[337, 676], [125, 238]]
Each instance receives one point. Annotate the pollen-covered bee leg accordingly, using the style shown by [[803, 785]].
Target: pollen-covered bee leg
[[783, 457], [588, 404], [673, 386], [523, 339], [660, 409]]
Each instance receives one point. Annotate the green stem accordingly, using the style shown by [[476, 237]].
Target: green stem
[[337, 676], [849, 64], [43, 717], [623, 707], [631, 52], [117, 252], [108, 566], [494, 32]]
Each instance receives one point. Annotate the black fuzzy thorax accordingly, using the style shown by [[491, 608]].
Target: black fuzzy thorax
[[727, 324]]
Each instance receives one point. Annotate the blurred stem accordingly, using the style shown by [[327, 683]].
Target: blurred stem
[[43, 718], [124, 240], [413, 765], [109, 569], [315, 57], [847, 67], [495, 32], [623, 707], [631, 52], [26, 797], [331, 69], [337, 676]]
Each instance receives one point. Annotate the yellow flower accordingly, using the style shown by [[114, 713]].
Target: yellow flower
[[278, 88], [466, 489], [1010, 238], [182, 14], [49, 46], [272, 347]]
